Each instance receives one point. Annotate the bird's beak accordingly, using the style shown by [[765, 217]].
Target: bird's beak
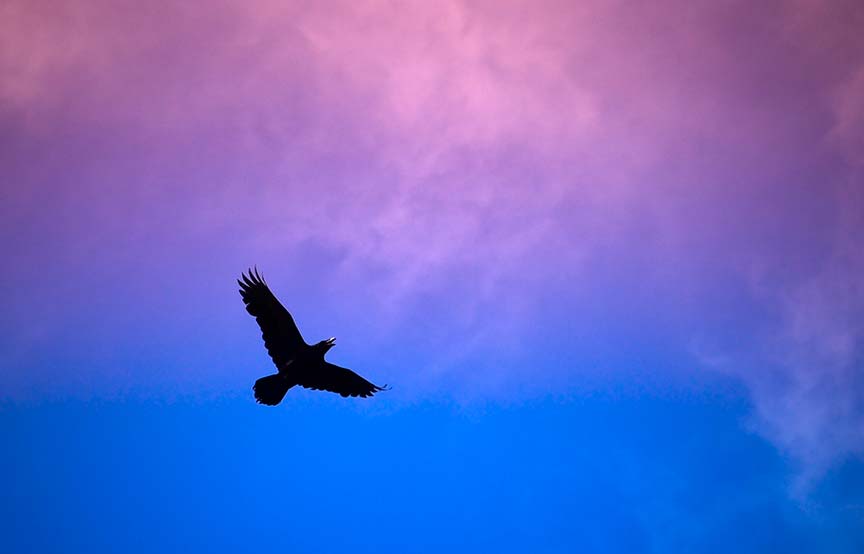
[[331, 341]]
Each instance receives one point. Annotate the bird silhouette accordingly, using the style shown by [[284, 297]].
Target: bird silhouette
[[297, 363]]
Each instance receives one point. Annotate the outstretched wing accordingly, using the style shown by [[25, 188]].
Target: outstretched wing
[[337, 379], [281, 336]]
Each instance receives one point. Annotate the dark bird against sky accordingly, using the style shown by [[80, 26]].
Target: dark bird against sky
[[297, 362]]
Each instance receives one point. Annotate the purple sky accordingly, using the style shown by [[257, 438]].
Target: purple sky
[[467, 180]]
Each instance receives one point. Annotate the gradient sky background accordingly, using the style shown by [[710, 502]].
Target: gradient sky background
[[609, 256]]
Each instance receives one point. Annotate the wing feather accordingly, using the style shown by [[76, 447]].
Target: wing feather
[[281, 336], [340, 380]]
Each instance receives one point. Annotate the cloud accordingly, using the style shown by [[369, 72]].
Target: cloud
[[813, 404], [804, 368], [661, 168]]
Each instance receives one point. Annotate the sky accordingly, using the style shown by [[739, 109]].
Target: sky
[[607, 255]]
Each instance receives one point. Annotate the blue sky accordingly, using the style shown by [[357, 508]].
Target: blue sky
[[603, 472]]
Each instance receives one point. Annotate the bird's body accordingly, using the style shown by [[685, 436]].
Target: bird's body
[[297, 362]]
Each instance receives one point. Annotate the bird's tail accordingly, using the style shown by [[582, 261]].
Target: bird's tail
[[271, 390]]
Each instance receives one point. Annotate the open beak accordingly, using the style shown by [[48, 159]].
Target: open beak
[[331, 341]]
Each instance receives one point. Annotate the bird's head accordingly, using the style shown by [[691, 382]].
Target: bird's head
[[326, 345]]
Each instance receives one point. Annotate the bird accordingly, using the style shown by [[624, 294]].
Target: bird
[[297, 362]]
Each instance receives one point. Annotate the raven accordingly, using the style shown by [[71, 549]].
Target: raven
[[297, 362]]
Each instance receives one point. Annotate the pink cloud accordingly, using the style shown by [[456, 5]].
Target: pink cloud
[[504, 148]]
